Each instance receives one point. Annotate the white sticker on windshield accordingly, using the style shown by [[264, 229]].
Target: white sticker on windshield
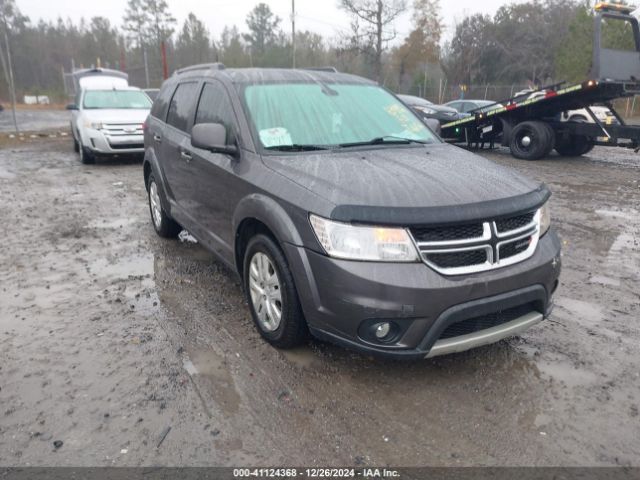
[[275, 137]]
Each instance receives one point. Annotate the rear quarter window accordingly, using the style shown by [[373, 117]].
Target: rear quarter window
[[161, 103]]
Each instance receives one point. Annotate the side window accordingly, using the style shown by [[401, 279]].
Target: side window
[[215, 107], [181, 104], [161, 103]]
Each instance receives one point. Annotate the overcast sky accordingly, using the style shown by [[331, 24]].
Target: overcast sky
[[321, 16]]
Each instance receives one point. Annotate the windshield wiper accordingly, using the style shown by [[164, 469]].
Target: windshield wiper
[[297, 148], [388, 139]]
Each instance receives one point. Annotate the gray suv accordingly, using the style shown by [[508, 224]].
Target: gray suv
[[344, 215]]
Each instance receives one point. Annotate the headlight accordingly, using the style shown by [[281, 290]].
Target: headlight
[[375, 244], [545, 219], [93, 125]]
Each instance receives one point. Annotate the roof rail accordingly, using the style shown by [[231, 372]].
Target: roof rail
[[202, 66], [321, 69]]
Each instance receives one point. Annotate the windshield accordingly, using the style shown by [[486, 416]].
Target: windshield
[[118, 99], [330, 115]]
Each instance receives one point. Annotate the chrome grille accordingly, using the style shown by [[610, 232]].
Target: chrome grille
[[122, 129], [477, 247]]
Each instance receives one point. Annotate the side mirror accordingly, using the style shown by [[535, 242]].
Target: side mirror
[[212, 137], [72, 106], [433, 124]]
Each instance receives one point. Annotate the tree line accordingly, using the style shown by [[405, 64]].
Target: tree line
[[535, 42]]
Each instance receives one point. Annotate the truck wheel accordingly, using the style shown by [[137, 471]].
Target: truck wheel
[[552, 140], [272, 295], [164, 225], [575, 145], [531, 140]]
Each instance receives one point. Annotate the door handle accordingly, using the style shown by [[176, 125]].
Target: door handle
[[157, 138], [185, 156]]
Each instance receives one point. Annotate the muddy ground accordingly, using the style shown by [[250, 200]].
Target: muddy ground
[[111, 336]]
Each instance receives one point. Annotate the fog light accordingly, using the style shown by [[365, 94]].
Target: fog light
[[383, 330]]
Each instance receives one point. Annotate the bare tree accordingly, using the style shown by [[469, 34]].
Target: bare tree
[[372, 26]]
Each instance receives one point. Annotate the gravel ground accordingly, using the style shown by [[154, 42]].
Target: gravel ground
[[119, 348]]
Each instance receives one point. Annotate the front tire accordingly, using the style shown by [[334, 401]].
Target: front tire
[[164, 225], [272, 295], [87, 157]]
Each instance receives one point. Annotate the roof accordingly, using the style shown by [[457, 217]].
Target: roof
[[253, 76]]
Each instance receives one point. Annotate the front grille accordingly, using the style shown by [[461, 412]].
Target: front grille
[[475, 247], [485, 322], [514, 248], [514, 223], [447, 233], [458, 259]]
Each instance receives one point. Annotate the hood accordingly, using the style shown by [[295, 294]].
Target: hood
[[125, 115], [434, 184]]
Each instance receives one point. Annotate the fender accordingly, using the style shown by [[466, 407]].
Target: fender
[[266, 210]]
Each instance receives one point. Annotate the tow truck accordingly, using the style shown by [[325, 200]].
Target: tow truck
[[532, 126]]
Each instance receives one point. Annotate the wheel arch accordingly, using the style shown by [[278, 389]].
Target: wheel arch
[[258, 213]]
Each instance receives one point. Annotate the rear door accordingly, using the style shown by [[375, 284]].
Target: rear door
[[217, 189], [174, 144]]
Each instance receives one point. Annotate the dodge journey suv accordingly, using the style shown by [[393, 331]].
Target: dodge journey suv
[[344, 215]]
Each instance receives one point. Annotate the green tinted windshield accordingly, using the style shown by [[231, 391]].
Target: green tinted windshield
[[94, 99], [329, 115]]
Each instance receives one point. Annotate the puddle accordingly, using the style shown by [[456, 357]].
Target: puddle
[[617, 214], [212, 369], [303, 357], [581, 311], [6, 175], [568, 374], [123, 267], [603, 280]]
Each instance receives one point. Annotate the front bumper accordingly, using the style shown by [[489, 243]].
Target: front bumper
[[103, 144], [340, 297]]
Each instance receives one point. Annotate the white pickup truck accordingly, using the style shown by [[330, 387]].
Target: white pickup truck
[[107, 117]]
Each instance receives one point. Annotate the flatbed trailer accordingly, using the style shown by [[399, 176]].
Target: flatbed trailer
[[531, 125]]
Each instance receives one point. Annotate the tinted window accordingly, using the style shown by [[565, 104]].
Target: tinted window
[[161, 103], [215, 107], [181, 105]]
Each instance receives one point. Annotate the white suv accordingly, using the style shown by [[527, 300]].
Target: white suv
[[108, 121]]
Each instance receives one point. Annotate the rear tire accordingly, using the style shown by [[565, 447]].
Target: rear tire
[[76, 146], [164, 225], [575, 145], [272, 295], [531, 140]]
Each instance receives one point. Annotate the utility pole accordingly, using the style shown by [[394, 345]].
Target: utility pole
[[146, 64], [8, 71], [293, 30]]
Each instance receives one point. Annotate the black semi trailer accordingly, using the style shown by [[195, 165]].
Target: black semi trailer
[[531, 125]]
